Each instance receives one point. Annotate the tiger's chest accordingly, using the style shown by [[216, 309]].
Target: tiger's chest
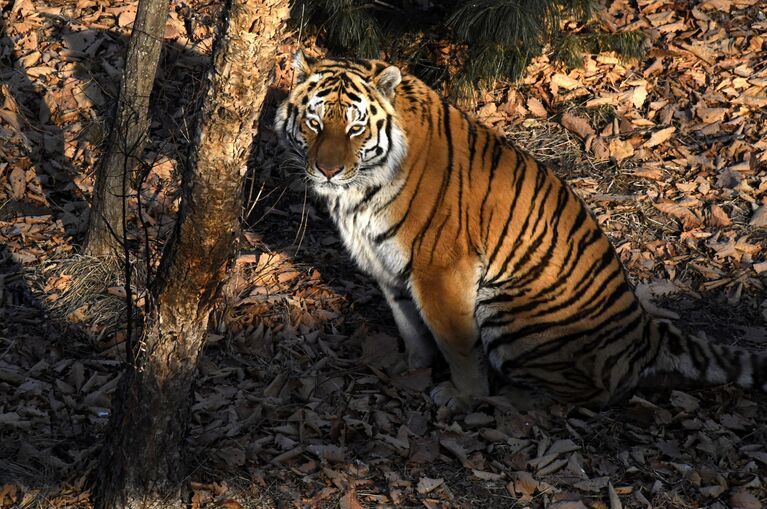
[[360, 226]]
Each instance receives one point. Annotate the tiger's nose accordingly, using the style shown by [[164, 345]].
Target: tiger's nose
[[329, 170]]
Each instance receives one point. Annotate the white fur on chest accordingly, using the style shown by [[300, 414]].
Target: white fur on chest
[[359, 226]]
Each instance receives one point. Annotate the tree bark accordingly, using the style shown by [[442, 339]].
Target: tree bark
[[141, 464], [127, 137]]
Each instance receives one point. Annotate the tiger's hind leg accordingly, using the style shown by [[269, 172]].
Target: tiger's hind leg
[[446, 298], [419, 344]]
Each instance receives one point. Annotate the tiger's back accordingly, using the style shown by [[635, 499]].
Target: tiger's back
[[477, 245]]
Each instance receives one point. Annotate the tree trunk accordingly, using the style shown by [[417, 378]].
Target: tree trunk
[[141, 463], [127, 137]]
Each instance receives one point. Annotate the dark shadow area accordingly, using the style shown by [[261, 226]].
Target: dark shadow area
[[53, 387], [56, 379]]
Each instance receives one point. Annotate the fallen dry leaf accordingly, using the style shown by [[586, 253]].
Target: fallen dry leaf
[[536, 107], [718, 216], [564, 81], [759, 217], [659, 137], [688, 217], [427, 485], [578, 125], [620, 149]]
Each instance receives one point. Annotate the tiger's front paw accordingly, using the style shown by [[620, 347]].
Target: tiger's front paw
[[446, 394]]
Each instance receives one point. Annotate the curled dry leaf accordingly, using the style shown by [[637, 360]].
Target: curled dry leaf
[[350, 501], [536, 108], [718, 216], [427, 485], [578, 125], [659, 137], [711, 115], [600, 149], [523, 485], [759, 218], [688, 217], [620, 149], [741, 499], [648, 173], [564, 81]]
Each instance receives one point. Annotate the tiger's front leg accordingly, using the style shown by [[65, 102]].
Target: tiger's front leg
[[446, 298], [419, 342]]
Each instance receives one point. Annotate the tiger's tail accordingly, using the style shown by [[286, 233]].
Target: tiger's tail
[[699, 360]]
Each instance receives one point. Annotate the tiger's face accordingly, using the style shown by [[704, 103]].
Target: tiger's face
[[339, 121]]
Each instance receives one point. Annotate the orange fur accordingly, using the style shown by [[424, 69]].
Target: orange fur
[[481, 247]]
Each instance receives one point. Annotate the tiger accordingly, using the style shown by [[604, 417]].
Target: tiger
[[482, 253]]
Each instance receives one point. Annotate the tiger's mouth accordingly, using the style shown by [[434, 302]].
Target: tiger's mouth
[[342, 179]]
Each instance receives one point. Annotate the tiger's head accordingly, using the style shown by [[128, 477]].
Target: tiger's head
[[340, 121]]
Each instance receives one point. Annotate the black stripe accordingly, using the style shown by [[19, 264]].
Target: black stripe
[[596, 333], [445, 115], [366, 198], [472, 144], [437, 237], [583, 313], [539, 182], [497, 151]]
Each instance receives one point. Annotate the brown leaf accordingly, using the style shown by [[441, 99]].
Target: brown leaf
[[427, 485], [127, 16], [578, 125], [703, 52], [486, 476], [620, 149], [741, 499], [522, 484], [18, 183], [599, 149], [350, 501], [659, 137], [536, 108], [718, 216], [711, 115], [759, 218], [722, 5], [688, 217], [648, 173], [564, 81]]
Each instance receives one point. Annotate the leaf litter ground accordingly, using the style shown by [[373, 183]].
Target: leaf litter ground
[[303, 398]]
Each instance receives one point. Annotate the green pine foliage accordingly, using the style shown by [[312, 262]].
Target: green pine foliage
[[465, 44]]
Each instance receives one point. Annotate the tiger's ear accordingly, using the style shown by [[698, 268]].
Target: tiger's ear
[[387, 80], [302, 66]]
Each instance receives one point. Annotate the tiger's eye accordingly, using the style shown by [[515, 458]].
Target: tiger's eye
[[355, 130], [313, 124]]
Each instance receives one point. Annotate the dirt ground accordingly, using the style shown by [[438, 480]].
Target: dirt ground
[[303, 398]]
